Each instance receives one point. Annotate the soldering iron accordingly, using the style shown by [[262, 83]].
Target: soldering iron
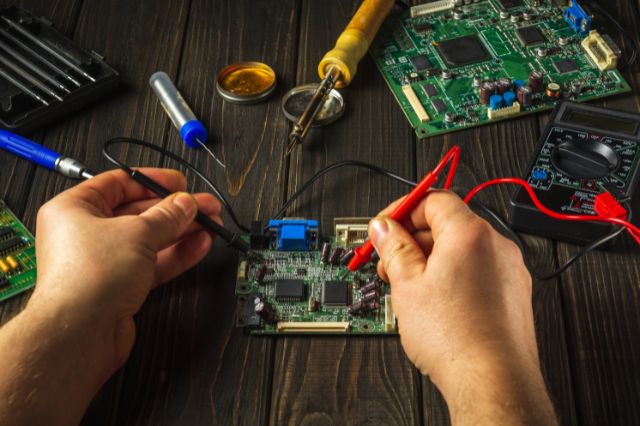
[[69, 167]]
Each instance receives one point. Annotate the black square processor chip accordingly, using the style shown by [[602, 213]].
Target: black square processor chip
[[335, 293], [529, 36], [565, 66], [462, 51], [290, 290]]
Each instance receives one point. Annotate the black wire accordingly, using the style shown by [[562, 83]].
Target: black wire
[[179, 160], [518, 240]]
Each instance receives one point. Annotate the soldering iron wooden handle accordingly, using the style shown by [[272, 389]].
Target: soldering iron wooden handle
[[355, 40]]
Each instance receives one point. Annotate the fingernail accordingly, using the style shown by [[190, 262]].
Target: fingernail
[[186, 203], [380, 229]]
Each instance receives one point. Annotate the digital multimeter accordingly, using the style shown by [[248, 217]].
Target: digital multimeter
[[583, 150]]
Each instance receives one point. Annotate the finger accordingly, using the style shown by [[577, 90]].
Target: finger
[[424, 240], [207, 204], [165, 223], [181, 257], [107, 191], [401, 257]]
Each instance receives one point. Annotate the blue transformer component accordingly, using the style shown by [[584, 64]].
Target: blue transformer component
[[496, 102], [577, 18], [294, 234]]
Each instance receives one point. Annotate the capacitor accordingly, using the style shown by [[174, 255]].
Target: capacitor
[[553, 90], [563, 41], [515, 17], [13, 263], [326, 252], [458, 14], [527, 16], [413, 77], [503, 85], [373, 295], [346, 258], [525, 96], [477, 81], [446, 74], [496, 102], [504, 14], [4, 267], [542, 52], [370, 286], [509, 98], [357, 308], [357, 282], [334, 259], [372, 306], [536, 81], [518, 84], [265, 310], [486, 90], [576, 88], [261, 273], [449, 117]]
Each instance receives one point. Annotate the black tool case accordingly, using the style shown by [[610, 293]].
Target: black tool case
[[31, 49]]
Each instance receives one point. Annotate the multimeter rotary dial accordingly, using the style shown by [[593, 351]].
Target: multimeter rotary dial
[[584, 159]]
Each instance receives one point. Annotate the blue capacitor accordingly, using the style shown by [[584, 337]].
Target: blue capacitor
[[518, 84], [509, 98], [496, 102]]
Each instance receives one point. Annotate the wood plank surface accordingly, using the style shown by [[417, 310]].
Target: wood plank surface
[[335, 380], [601, 295]]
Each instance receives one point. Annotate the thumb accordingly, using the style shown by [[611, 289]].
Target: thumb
[[168, 220], [401, 256]]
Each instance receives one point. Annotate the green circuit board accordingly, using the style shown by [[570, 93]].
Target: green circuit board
[[17, 255], [318, 308], [438, 55]]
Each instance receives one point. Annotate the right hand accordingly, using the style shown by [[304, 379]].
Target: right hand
[[461, 294]]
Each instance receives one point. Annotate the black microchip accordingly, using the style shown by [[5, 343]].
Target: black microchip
[[336, 293], [510, 4], [565, 66], [462, 51], [10, 245], [422, 27], [439, 105], [430, 90], [6, 232], [4, 282], [290, 290], [529, 36], [421, 62]]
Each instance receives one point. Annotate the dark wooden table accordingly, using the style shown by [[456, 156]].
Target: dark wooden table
[[190, 365]]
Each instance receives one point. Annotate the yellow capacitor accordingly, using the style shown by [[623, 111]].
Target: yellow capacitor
[[4, 267], [12, 262]]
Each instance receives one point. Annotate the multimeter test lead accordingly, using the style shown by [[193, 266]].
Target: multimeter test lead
[[192, 131], [69, 167]]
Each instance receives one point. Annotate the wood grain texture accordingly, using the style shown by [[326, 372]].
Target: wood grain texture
[[346, 380], [496, 151], [601, 294]]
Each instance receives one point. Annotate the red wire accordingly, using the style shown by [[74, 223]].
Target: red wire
[[632, 229]]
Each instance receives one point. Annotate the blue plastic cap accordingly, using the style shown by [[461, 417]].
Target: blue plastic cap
[[192, 130], [509, 98], [518, 84], [539, 174], [495, 102]]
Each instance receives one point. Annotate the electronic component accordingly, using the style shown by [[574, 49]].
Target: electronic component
[[336, 293], [242, 271], [536, 81], [288, 290], [582, 149], [487, 89], [389, 315], [529, 36], [336, 254], [510, 4], [18, 261], [421, 62], [504, 85], [525, 96], [462, 51], [430, 90], [261, 273], [248, 316], [415, 103], [294, 234], [439, 105], [370, 286], [496, 102], [313, 327], [494, 114], [257, 238], [577, 18], [509, 98], [431, 7], [265, 311], [565, 66], [326, 252], [422, 27], [600, 52], [347, 256], [553, 90]]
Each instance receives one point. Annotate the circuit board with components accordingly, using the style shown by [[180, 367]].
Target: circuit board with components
[[17, 255], [309, 290], [452, 65]]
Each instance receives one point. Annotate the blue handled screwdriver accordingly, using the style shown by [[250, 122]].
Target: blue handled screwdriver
[[43, 156]]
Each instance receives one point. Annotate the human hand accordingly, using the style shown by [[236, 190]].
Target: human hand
[[103, 244], [462, 296]]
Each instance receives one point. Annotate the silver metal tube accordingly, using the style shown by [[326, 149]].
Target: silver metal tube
[[171, 100]]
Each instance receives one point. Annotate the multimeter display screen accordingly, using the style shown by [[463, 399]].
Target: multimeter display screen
[[598, 121]]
